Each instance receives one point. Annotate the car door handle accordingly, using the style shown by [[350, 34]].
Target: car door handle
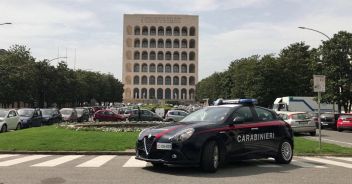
[[254, 128]]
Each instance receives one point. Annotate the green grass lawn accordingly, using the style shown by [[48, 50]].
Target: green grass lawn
[[50, 138]]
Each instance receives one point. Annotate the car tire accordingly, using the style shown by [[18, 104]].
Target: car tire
[[210, 160], [3, 128], [339, 129], [285, 152], [19, 126], [158, 165], [313, 133]]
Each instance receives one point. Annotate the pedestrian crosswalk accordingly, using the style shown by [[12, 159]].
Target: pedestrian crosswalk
[[97, 161]]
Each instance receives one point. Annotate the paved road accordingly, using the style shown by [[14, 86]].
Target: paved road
[[330, 136], [55, 169]]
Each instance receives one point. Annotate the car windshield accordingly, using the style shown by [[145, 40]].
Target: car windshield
[[345, 117], [3, 113], [26, 112], [66, 111], [47, 112], [79, 112], [209, 114], [301, 116]]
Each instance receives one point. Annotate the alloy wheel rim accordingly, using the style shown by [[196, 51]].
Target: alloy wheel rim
[[216, 157], [286, 151]]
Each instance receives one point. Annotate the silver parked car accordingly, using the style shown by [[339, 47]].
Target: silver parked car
[[301, 122], [69, 114], [9, 120], [175, 115]]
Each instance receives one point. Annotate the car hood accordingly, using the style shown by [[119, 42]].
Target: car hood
[[23, 118], [1, 119]]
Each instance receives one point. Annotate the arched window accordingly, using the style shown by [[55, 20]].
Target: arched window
[[152, 31], [160, 68], [145, 30], [191, 80], [176, 56], [137, 55], [159, 93], [168, 55], [176, 94], [192, 44], [161, 31], [160, 80], [191, 94], [136, 80], [144, 80], [192, 68], [192, 56], [152, 55], [144, 55], [145, 43], [167, 93], [152, 68], [144, 93], [144, 67], [184, 31], [183, 81], [184, 56], [184, 43], [176, 68], [183, 94], [183, 68], [168, 43], [167, 68], [176, 81], [137, 43], [152, 43], [160, 43], [176, 31], [151, 80], [151, 93], [176, 43], [168, 31], [160, 55], [167, 80], [136, 67], [137, 30], [192, 31], [136, 93]]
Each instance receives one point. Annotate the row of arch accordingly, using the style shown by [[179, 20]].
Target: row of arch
[[152, 55], [168, 31], [160, 68], [159, 93], [168, 43], [160, 80]]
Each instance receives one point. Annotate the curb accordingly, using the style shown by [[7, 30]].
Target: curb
[[122, 153]]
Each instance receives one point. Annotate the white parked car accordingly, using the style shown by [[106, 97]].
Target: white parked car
[[9, 120]]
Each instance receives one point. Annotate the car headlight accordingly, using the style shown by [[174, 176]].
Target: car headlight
[[142, 132], [182, 135]]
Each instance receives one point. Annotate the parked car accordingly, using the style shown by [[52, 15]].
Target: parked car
[[107, 115], [69, 114], [143, 115], [300, 122], [344, 122], [329, 120], [175, 115], [30, 117], [82, 114], [9, 120], [51, 116], [314, 118]]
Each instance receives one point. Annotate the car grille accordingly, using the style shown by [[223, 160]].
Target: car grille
[[146, 145]]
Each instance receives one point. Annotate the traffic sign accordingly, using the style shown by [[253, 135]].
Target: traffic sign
[[319, 83]]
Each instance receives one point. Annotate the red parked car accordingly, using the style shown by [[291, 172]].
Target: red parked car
[[344, 122], [107, 115]]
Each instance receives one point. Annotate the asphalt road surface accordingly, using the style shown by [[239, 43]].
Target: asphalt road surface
[[330, 136], [57, 169]]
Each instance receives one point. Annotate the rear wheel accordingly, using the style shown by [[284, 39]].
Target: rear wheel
[[3, 128], [19, 126], [210, 157], [285, 153], [339, 129], [313, 133]]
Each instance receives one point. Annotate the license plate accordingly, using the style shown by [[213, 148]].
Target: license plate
[[163, 146], [303, 123]]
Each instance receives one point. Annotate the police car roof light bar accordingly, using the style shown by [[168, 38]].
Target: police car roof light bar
[[235, 101]]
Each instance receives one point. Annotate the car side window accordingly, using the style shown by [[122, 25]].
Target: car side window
[[264, 115], [12, 114], [244, 113]]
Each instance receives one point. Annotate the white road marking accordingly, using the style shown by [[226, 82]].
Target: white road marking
[[330, 162], [57, 161], [6, 156], [97, 161], [132, 162], [306, 165], [21, 160], [342, 158]]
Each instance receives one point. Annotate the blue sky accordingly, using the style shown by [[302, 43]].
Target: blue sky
[[229, 29]]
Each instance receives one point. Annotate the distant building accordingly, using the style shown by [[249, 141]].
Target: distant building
[[160, 57]]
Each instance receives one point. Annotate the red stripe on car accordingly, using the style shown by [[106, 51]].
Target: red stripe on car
[[160, 134]]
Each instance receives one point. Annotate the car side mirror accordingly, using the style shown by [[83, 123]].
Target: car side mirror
[[238, 120]]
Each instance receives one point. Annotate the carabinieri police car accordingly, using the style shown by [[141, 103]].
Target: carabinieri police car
[[232, 129]]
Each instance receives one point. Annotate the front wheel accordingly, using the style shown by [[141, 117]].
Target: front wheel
[[3, 128], [339, 129], [285, 153], [18, 127], [210, 157]]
